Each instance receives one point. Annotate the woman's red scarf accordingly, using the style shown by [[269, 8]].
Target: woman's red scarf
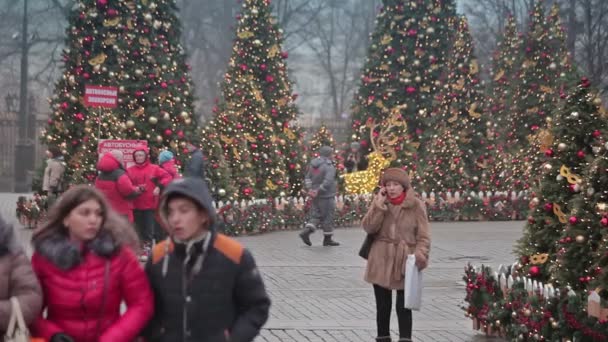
[[399, 199]]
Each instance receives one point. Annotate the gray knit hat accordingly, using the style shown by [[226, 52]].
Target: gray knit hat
[[326, 151]]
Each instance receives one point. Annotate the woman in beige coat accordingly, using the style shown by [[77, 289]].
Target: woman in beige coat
[[400, 226], [17, 279]]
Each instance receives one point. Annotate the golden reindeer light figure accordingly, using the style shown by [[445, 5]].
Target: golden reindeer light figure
[[364, 182]]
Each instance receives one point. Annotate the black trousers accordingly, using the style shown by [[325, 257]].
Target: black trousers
[[384, 299]]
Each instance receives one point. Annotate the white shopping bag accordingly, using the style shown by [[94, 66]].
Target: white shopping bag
[[413, 284]]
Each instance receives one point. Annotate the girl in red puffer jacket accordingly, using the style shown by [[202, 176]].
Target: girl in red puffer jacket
[[86, 266]]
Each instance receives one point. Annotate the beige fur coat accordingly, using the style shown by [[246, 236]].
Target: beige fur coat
[[399, 230]]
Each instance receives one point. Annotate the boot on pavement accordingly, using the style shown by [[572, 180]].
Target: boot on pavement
[[327, 241], [305, 234], [383, 339], [404, 339]]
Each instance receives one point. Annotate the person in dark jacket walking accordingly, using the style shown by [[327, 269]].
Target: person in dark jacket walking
[[207, 286], [196, 165], [321, 185], [18, 280]]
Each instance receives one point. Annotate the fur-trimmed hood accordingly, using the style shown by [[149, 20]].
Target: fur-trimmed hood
[[64, 254], [8, 241]]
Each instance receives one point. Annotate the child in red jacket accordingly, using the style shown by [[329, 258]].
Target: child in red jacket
[[151, 178]]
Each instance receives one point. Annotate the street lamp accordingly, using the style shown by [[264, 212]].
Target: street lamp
[[24, 148]]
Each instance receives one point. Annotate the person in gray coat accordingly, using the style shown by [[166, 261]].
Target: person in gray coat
[[196, 165], [321, 185]]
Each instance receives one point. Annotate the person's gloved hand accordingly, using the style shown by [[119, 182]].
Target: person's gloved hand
[[61, 337]]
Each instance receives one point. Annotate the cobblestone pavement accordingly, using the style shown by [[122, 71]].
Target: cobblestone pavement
[[318, 293]]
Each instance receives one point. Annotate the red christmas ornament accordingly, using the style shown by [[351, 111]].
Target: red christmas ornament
[[573, 220], [102, 3], [260, 136], [412, 33], [263, 67], [180, 134], [284, 54], [254, 146], [86, 75], [112, 12], [580, 154], [410, 90], [239, 126], [274, 112], [524, 260], [531, 220], [168, 132], [87, 40], [243, 67], [164, 85], [292, 166], [64, 105], [247, 191], [534, 271], [548, 206], [604, 221], [585, 83], [139, 93], [269, 79], [596, 133]]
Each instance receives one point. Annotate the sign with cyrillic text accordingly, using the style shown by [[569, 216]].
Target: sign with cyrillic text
[[97, 96]]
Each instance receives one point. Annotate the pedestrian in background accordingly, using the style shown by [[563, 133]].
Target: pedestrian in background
[[84, 261], [115, 184], [207, 286], [151, 178], [321, 184], [196, 165], [166, 160], [18, 280], [54, 174], [399, 224]]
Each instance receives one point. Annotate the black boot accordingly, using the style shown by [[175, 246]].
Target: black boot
[[305, 234], [404, 339], [327, 241], [383, 339]]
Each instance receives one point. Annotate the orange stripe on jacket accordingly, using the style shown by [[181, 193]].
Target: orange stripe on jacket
[[232, 249], [160, 250]]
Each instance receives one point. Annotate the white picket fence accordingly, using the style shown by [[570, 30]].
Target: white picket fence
[[341, 199]]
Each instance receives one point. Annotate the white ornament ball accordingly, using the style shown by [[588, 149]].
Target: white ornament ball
[[559, 178], [574, 115], [561, 146]]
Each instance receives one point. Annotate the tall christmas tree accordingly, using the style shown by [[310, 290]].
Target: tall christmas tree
[[500, 169], [404, 65], [136, 48], [543, 77], [568, 147], [581, 238], [458, 105], [255, 116]]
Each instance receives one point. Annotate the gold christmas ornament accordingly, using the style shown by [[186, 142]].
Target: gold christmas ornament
[[561, 147], [159, 139], [188, 121], [130, 123], [184, 115], [153, 120], [221, 192], [580, 239]]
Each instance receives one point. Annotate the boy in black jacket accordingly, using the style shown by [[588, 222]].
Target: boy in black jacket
[[207, 286]]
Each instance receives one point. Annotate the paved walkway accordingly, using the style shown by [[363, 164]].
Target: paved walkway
[[318, 293]]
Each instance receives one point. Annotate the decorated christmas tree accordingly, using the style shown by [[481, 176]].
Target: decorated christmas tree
[[403, 68], [255, 116], [582, 236], [545, 71], [568, 146], [443, 168], [506, 63], [500, 167], [458, 105], [322, 137], [136, 48]]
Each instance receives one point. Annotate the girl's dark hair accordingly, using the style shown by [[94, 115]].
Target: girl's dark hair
[[54, 151], [118, 227]]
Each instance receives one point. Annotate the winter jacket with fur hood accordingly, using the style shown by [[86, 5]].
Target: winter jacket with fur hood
[[399, 230], [116, 185], [17, 280], [84, 286], [206, 290]]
